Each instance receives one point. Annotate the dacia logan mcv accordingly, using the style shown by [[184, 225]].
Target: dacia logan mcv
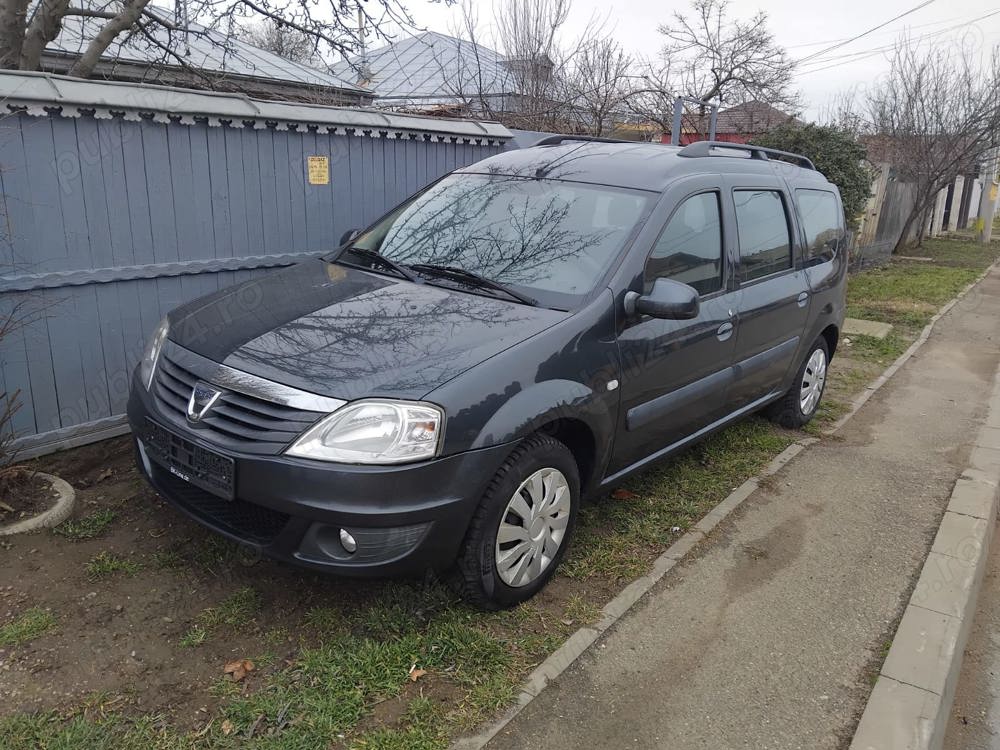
[[442, 391]]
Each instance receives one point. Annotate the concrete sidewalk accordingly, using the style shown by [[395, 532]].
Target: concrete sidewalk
[[771, 635]]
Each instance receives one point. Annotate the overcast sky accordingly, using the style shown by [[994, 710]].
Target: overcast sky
[[804, 28]]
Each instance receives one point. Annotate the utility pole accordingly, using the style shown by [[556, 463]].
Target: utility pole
[[988, 197]]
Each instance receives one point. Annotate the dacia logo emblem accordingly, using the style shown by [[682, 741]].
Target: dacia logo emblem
[[202, 397]]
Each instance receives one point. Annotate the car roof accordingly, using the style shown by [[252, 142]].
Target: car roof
[[644, 166]]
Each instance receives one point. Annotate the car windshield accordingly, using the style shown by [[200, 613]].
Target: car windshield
[[549, 239]]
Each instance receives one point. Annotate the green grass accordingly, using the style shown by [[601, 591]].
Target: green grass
[[905, 293], [87, 527], [107, 564], [881, 351], [236, 610], [617, 535], [28, 625]]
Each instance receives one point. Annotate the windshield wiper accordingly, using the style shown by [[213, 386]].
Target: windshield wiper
[[377, 257], [473, 279]]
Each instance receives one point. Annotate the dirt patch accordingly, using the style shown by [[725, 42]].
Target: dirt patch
[[122, 635], [24, 494]]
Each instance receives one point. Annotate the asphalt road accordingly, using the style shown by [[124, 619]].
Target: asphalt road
[[771, 636]]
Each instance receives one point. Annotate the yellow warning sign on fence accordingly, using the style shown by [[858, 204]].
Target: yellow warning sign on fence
[[319, 170]]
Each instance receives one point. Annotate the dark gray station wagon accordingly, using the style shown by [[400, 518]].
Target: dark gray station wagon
[[442, 391]]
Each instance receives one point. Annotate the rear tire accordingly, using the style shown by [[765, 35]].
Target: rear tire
[[531, 506], [799, 405]]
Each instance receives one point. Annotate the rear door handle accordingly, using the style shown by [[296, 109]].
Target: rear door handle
[[803, 298], [724, 332]]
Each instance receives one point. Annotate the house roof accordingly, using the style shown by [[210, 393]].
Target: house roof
[[429, 68], [220, 57], [750, 118], [49, 95]]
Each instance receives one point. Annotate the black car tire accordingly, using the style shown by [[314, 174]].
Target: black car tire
[[787, 411], [476, 576]]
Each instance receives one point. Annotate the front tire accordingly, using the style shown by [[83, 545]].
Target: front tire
[[522, 527], [799, 405]]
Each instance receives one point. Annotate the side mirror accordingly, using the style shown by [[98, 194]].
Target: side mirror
[[349, 235], [668, 299]]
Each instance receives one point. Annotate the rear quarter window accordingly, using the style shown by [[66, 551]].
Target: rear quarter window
[[763, 231], [822, 222]]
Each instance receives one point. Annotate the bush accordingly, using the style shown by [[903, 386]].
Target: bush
[[835, 153]]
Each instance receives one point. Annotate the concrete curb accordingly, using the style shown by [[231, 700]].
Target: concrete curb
[[54, 515], [910, 705], [578, 643]]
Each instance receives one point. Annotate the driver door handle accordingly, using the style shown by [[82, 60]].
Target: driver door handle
[[725, 332]]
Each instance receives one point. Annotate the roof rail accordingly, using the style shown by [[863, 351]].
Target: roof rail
[[555, 140], [704, 148]]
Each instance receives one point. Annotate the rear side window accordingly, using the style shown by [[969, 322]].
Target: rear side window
[[690, 248], [762, 226], [822, 222]]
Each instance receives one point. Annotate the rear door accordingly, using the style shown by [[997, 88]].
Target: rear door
[[773, 299], [675, 373]]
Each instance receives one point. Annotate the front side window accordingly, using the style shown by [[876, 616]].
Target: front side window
[[762, 227], [822, 221], [690, 248], [550, 239]]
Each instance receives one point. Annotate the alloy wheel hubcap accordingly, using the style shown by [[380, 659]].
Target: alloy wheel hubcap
[[813, 380], [532, 527]]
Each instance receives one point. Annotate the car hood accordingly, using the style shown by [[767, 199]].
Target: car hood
[[346, 333]]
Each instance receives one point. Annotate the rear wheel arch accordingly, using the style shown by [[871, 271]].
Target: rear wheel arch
[[832, 335]]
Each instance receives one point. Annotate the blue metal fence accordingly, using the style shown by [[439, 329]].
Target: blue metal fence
[[117, 209]]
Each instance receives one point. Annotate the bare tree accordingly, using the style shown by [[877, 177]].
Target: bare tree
[[334, 26], [284, 41], [598, 84], [535, 84], [710, 56], [933, 117], [650, 97]]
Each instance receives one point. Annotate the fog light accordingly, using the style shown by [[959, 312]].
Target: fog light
[[348, 541]]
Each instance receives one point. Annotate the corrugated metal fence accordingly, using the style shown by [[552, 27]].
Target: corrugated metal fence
[[121, 202]]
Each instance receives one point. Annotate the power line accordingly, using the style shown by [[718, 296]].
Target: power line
[[939, 22], [851, 57], [865, 33]]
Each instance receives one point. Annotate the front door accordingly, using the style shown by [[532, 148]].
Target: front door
[[773, 303], [675, 373]]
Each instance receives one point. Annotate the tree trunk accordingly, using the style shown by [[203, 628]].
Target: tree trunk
[[44, 27], [84, 66], [901, 242], [925, 216], [13, 17]]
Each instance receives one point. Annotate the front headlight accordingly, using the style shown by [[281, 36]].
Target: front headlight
[[147, 365], [374, 431]]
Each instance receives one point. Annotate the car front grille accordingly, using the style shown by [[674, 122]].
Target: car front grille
[[245, 521], [236, 420]]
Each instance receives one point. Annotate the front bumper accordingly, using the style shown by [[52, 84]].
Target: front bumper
[[406, 519]]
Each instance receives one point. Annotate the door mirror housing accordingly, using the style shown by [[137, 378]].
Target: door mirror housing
[[349, 235], [668, 299]]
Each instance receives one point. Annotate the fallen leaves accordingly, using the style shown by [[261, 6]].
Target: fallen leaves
[[228, 727], [238, 669], [416, 674], [623, 495]]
